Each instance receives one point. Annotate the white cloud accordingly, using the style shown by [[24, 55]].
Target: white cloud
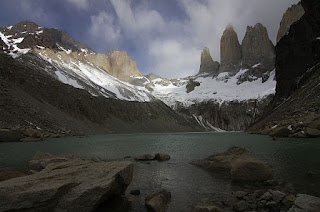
[[173, 59], [138, 20], [103, 28], [81, 4]]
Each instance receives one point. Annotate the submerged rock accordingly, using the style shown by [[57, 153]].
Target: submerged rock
[[69, 185], [158, 201], [241, 164]]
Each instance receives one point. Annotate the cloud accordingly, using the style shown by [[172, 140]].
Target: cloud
[[174, 59], [81, 4], [104, 29], [138, 20]]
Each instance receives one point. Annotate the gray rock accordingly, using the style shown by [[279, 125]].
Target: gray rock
[[271, 204], [266, 196], [242, 165], [277, 196], [313, 133], [191, 85], [288, 201], [240, 194], [241, 206], [230, 51], [307, 203], [293, 14], [207, 64], [72, 185], [146, 157], [206, 209], [158, 201], [162, 157]]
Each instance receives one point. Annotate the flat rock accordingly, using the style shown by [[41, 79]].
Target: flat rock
[[242, 165], [70, 185], [307, 203], [158, 201]]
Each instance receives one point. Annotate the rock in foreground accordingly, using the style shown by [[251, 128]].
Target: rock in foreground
[[241, 164], [158, 201], [66, 185], [306, 203]]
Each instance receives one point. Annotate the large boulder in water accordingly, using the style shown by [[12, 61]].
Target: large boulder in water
[[242, 165], [158, 201], [66, 185]]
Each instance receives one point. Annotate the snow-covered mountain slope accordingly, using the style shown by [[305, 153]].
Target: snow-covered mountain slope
[[70, 62], [223, 88]]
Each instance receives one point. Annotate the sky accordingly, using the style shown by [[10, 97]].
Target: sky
[[164, 37]]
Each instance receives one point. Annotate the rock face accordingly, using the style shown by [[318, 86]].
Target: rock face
[[257, 49], [242, 165], [69, 185], [230, 51], [297, 74], [293, 14], [191, 85], [123, 67], [207, 64]]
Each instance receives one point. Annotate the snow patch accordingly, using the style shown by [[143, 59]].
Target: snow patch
[[62, 78], [9, 27], [40, 47], [256, 65]]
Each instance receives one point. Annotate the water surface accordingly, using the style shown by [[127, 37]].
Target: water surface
[[293, 161]]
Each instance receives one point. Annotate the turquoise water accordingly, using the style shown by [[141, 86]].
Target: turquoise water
[[292, 160]]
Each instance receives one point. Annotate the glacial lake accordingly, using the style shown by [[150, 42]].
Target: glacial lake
[[292, 159]]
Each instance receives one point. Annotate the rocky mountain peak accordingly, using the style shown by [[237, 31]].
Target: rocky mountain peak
[[230, 50], [293, 14], [207, 64], [257, 49], [123, 67]]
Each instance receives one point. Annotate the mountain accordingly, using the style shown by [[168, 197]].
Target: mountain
[[295, 108], [293, 14], [55, 85], [230, 50], [207, 64]]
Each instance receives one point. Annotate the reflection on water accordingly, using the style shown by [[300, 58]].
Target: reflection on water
[[293, 161]]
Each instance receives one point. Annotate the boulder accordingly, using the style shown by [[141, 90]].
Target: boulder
[[277, 196], [206, 209], [146, 157], [241, 164], [191, 85], [230, 51], [158, 201], [162, 157], [70, 185], [207, 64], [293, 14], [313, 133], [305, 202]]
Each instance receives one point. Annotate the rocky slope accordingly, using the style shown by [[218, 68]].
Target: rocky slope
[[62, 89], [293, 14], [295, 109]]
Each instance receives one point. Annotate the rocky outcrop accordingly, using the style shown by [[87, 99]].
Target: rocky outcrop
[[241, 164], [191, 85], [122, 66], [258, 52], [66, 184], [207, 65], [293, 14], [296, 103], [230, 51]]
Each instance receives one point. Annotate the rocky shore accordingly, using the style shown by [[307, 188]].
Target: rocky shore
[[67, 183]]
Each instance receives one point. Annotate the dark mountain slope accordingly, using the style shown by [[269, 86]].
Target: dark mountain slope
[[32, 98]]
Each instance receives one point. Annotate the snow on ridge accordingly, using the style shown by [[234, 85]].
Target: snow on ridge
[[13, 50], [223, 88]]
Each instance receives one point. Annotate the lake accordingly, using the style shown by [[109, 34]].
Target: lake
[[292, 159]]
